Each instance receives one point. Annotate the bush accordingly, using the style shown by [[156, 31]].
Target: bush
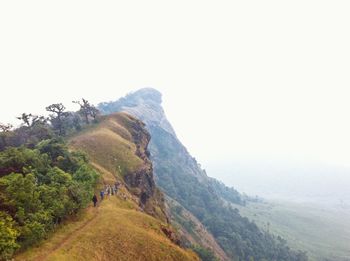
[[50, 184], [8, 236]]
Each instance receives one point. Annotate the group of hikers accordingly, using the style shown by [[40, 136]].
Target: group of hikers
[[106, 192]]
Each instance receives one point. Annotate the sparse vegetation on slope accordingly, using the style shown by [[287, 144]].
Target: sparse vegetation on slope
[[193, 233]]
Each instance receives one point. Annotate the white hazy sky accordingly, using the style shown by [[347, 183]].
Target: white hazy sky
[[240, 79]]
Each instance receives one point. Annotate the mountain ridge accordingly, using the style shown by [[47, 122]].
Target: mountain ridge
[[180, 176]]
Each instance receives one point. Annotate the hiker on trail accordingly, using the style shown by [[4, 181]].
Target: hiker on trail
[[94, 199], [107, 193], [102, 194]]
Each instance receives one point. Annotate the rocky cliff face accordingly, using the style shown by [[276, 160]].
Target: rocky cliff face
[[141, 180]]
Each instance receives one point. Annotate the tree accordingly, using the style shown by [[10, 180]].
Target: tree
[[5, 129], [25, 118], [30, 120], [94, 112], [85, 109], [8, 236], [39, 188], [57, 118], [35, 120]]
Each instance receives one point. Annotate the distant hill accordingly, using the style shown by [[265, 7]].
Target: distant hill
[[130, 226], [206, 199]]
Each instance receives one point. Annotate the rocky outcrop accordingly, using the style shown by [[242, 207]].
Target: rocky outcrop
[[141, 181]]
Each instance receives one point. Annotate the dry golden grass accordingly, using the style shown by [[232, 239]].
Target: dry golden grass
[[110, 232], [109, 150]]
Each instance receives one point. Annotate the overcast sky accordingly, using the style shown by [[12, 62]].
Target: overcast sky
[[240, 79]]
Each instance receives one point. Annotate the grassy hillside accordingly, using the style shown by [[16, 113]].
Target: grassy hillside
[[323, 232], [110, 144], [119, 228], [113, 231], [117, 146]]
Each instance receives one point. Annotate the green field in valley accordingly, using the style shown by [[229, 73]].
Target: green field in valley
[[323, 232]]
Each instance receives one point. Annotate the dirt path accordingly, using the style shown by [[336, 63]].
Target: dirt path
[[72, 235]]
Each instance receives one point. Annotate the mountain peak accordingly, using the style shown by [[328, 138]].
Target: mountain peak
[[144, 104], [147, 94]]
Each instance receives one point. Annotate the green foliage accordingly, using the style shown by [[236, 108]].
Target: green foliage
[[8, 235], [87, 110], [229, 194], [36, 128], [21, 160], [40, 187], [205, 254]]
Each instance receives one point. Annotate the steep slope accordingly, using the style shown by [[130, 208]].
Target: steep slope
[[131, 225], [181, 177], [192, 231]]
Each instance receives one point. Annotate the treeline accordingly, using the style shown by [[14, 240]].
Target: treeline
[[60, 122], [41, 181]]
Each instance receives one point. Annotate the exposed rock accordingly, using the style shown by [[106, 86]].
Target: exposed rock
[[141, 182]]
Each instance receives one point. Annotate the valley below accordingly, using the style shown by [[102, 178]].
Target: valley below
[[322, 231]]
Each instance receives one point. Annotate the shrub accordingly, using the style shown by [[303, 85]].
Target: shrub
[[42, 193], [8, 236]]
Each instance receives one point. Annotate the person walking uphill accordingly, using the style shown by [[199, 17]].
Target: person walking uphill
[[94, 199]]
